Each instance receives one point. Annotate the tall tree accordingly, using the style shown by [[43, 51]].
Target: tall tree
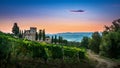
[[52, 40], [44, 35], [15, 29], [55, 40], [20, 34], [60, 40], [36, 36], [110, 45], [94, 43], [40, 34]]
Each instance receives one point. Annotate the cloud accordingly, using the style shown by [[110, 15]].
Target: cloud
[[77, 10]]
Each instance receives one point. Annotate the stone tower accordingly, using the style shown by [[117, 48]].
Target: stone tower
[[30, 34]]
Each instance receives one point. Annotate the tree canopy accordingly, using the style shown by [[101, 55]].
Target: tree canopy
[[15, 29]]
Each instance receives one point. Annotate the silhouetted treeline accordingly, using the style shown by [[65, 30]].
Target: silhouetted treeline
[[58, 40]]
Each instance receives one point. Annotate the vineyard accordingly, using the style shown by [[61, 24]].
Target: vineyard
[[12, 48]]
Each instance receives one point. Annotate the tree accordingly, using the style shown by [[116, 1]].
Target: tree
[[94, 42], [52, 40], [85, 42], [64, 42], [20, 34], [15, 29], [44, 35], [55, 40], [60, 39], [36, 36], [40, 34], [110, 44], [114, 27]]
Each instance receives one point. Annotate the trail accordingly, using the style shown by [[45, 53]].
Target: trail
[[102, 62]]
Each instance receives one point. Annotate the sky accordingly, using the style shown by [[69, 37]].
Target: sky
[[56, 16]]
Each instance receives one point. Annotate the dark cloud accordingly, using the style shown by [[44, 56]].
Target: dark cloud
[[77, 11]]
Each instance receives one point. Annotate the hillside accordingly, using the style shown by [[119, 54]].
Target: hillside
[[15, 52]]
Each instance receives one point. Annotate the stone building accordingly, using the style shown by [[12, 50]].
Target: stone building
[[30, 34]]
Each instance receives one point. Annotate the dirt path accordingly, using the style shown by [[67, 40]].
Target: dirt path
[[101, 62]]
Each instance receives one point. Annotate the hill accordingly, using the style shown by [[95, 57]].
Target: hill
[[15, 52], [73, 36]]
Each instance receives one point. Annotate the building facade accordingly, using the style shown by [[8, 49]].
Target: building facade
[[30, 34]]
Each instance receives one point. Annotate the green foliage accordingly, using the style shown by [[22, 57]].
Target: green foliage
[[44, 35], [69, 52], [20, 34], [15, 29], [73, 43], [56, 52], [52, 40], [40, 34], [60, 39], [94, 42], [85, 42], [4, 49], [55, 40], [39, 52], [74, 52], [110, 46], [36, 36], [64, 42], [20, 48]]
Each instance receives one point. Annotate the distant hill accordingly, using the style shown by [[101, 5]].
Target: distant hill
[[73, 36]]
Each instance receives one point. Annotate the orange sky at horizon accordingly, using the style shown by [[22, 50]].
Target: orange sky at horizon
[[53, 25]]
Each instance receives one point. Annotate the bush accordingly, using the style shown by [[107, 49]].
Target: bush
[[110, 45], [94, 42]]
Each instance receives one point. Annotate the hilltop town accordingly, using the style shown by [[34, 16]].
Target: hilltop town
[[31, 34], [39, 36]]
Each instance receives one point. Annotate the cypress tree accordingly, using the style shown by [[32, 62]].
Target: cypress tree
[[60, 39], [40, 34], [20, 34], [44, 35], [55, 40], [52, 40], [36, 36], [15, 29]]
